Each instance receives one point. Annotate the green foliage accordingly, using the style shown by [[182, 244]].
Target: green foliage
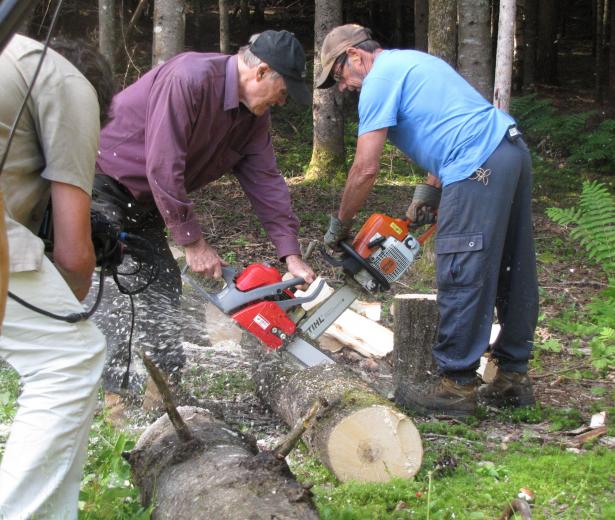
[[542, 123], [566, 485], [594, 221], [596, 148], [594, 229], [106, 490], [9, 390]]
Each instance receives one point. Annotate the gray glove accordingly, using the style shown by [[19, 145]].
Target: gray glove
[[337, 232], [424, 205]]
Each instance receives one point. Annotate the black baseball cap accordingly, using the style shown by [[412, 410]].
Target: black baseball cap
[[284, 54]]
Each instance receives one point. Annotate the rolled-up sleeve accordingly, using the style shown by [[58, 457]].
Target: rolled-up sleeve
[[264, 185], [170, 116]]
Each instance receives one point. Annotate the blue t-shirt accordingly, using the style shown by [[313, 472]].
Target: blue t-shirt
[[433, 115]]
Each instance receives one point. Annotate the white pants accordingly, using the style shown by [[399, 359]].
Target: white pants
[[60, 365]]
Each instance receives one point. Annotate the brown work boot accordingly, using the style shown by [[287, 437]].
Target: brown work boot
[[442, 396], [512, 389]]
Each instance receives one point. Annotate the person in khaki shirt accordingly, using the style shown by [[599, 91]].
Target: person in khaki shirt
[[51, 157]]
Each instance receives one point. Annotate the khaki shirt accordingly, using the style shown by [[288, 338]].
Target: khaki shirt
[[56, 140]]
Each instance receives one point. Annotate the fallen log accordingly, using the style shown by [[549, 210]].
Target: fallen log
[[359, 436], [415, 332], [221, 475]]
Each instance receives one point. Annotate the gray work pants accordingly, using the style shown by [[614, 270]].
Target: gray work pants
[[484, 259]]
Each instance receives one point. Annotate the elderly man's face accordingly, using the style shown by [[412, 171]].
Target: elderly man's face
[[266, 92]]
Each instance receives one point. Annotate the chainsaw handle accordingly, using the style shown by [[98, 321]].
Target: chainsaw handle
[[293, 302]]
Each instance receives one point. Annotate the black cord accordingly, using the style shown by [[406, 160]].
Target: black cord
[[69, 318]]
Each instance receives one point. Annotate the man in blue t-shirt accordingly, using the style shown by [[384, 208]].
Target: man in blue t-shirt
[[480, 177]]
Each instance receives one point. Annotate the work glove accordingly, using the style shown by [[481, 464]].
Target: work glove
[[337, 232], [424, 205]]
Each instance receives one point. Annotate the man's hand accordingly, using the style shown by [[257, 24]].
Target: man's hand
[[202, 258], [424, 205], [337, 232], [297, 267]]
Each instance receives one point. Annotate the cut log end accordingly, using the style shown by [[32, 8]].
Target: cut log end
[[375, 444]]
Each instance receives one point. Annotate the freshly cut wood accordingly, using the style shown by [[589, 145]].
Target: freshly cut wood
[[367, 337], [487, 369], [359, 436], [582, 438], [219, 475], [415, 331], [370, 310]]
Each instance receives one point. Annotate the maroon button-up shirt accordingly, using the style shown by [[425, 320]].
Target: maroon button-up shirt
[[180, 127]]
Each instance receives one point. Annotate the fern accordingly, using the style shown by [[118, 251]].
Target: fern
[[598, 147], [594, 221]]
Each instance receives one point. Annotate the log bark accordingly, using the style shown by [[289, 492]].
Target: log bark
[[415, 333], [359, 436], [222, 475]]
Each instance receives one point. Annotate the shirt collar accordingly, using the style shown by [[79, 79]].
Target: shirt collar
[[231, 86]]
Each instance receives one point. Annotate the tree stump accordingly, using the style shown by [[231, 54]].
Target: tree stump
[[218, 475], [415, 333], [360, 435]]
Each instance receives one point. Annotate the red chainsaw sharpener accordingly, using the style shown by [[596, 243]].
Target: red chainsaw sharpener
[[381, 252], [257, 299]]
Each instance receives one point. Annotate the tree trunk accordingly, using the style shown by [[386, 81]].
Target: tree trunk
[[420, 24], [504, 56], [225, 46], [222, 475], [169, 29], [398, 23], [519, 45], [546, 62], [244, 19], [4, 262], [599, 49], [106, 30], [442, 40], [416, 331], [530, 36], [328, 153], [360, 435], [611, 89], [475, 45], [258, 16]]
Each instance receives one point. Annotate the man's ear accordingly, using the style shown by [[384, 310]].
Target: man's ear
[[261, 71], [353, 55]]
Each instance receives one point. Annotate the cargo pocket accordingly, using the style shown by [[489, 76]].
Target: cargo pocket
[[459, 260]]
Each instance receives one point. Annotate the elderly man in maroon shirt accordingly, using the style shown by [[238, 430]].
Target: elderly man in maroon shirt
[[181, 126]]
